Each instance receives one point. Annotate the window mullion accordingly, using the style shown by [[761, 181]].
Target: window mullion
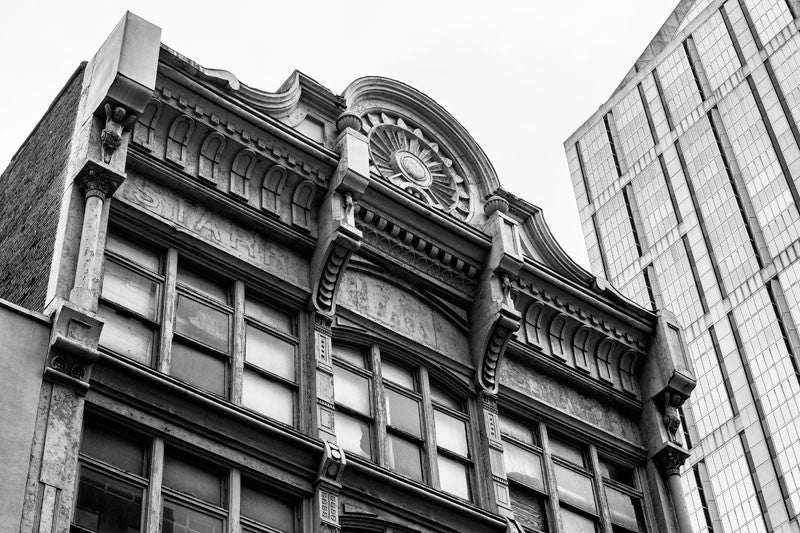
[[237, 359], [153, 508], [429, 431], [234, 497], [602, 501], [379, 401], [550, 482], [169, 306]]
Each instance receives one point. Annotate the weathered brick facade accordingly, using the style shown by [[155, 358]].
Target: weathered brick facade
[[30, 194]]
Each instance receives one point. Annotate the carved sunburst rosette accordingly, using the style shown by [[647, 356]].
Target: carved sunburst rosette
[[405, 158]]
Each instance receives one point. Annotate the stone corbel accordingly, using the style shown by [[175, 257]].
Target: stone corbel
[[328, 487], [493, 317], [73, 348], [338, 236]]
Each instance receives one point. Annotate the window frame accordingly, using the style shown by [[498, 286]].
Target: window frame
[[375, 354]]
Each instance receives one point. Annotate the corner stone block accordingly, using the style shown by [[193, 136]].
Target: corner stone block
[[124, 68]]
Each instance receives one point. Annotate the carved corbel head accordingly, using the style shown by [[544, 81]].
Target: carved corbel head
[[333, 463]]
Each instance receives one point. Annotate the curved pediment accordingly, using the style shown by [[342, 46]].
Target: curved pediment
[[418, 147]]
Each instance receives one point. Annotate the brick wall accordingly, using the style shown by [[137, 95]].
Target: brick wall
[[30, 199]]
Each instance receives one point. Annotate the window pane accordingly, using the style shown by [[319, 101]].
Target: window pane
[[351, 390], [353, 356], [451, 433], [353, 435], [198, 368], [179, 518], [269, 316], [398, 374], [623, 474], [113, 448], [404, 457], [262, 507], [126, 336], [518, 430], [270, 353], [107, 505], [567, 451], [575, 488], [202, 323], [523, 466], [529, 508], [268, 397], [141, 255], [625, 510], [131, 290], [441, 397], [203, 284], [575, 523], [402, 412], [191, 479], [453, 477]]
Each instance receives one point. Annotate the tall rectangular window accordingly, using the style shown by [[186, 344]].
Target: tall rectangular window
[[270, 362], [194, 496], [130, 300]]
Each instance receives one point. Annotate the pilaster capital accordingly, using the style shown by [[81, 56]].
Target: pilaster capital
[[670, 459], [98, 179]]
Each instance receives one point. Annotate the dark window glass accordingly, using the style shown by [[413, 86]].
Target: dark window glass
[[529, 508], [567, 451], [621, 474], [141, 255], [575, 487], [202, 284], [107, 505], [191, 479], [402, 412], [266, 509], [269, 315], [625, 510], [404, 457], [124, 453], [199, 368], [443, 398], [179, 518]]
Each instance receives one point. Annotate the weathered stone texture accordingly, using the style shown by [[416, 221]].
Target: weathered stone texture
[[30, 196]]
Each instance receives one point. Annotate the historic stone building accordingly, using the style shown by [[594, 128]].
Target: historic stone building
[[687, 184], [232, 310]]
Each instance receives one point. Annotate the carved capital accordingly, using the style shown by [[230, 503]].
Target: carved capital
[[348, 119], [98, 179], [670, 460]]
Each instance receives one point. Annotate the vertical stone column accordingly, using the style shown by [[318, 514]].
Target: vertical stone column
[[323, 373], [669, 463], [490, 433]]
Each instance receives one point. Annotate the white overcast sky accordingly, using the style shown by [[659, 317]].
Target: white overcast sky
[[520, 76]]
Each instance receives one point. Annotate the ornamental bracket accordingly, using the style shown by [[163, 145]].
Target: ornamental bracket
[[339, 237], [493, 316]]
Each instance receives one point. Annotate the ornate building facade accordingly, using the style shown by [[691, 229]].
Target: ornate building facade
[[232, 310], [686, 181]]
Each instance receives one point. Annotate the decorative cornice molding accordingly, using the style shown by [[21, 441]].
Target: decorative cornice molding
[[502, 329], [416, 252]]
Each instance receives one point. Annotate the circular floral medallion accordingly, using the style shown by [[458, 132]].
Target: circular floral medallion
[[403, 157]]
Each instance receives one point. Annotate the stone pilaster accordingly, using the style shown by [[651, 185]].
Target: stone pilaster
[[323, 371], [499, 500]]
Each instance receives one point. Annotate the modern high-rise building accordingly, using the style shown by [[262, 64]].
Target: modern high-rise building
[[687, 184], [228, 310]]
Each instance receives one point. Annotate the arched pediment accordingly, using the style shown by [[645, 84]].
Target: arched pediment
[[418, 147]]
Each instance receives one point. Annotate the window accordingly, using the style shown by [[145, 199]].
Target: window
[[201, 345], [194, 496], [142, 284], [112, 482], [113, 486], [270, 368], [130, 302], [575, 478], [368, 384]]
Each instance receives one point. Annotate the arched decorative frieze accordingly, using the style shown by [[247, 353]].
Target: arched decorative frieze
[[242, 173], [557, 333], [581, 348], [178, 139], [627, 371], [605, 350], [145, 132], [272, 188], [533, 324], [302, 202], [209, 158]]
